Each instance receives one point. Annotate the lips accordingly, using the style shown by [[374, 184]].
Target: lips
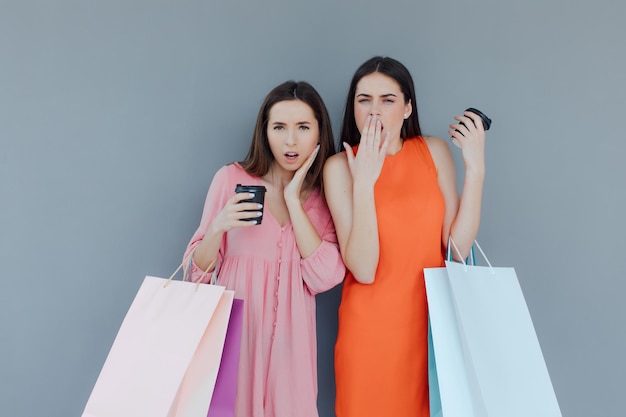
[[291, 156]]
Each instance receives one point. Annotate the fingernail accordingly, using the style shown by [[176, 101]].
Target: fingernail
[[259, 206], [254, 222], [251, 195], [259, 214]]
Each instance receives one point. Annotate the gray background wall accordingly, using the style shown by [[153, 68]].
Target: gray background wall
[[114, 116]]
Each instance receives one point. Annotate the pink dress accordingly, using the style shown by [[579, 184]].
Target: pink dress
[[262, 264]]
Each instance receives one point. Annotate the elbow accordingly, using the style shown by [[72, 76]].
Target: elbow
[[364, 279], [362, 272], [363, 276]]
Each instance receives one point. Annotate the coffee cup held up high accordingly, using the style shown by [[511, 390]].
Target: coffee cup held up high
[[486, 122]]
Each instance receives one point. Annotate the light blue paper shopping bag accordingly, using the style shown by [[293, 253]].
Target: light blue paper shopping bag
[[487, 359]]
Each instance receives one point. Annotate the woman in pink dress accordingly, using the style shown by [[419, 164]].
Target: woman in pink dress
[[279, 265]]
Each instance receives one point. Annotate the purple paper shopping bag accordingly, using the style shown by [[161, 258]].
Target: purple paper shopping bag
[[223, 400]]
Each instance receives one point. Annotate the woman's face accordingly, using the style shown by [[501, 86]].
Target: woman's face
[[380, 95], [293, 133]]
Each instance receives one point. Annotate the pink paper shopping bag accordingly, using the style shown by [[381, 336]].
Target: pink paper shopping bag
[[165, 358]]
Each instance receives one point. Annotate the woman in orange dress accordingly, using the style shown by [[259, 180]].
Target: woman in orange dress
[[394, 201]]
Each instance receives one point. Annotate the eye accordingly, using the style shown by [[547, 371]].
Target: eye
[[304, 127], [388, 100], [363, 100], [279, 127]]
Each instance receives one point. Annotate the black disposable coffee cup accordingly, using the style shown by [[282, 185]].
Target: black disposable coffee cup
[[486, 122], [259, 197]]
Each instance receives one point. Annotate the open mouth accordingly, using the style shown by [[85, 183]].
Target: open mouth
[[291, 156]]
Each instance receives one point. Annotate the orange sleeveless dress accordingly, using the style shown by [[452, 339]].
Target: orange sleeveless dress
[[381, 354]]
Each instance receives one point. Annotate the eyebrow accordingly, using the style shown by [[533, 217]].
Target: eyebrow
[[383, 95], [304, 122]]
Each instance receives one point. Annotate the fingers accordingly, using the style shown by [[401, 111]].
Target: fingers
[[301, 172], [477, 121], [238, 209], [349, 152], [365, 131], [294, 188], [469, 125], [371, 134], [312, 157], [238, 197], [383, 148], [377, 133]]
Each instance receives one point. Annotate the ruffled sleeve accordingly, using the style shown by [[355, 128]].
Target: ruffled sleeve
[[324, 268]]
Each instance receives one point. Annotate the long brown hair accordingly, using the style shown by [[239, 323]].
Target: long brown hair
[[260, 157]]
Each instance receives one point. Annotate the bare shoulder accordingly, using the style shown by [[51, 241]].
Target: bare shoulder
[[439, 150], [337, 177], [436, 144], [336, 163]]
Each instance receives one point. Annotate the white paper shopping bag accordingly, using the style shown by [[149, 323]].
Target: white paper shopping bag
[[449, 375], [488, 361], [165, 330], [500, 339]]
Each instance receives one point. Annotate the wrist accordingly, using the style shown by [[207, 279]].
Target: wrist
[[475, 172], [362, 187], [214, 232]]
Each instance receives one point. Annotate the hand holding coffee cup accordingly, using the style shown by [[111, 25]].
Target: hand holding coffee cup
[[257, 193], [485, 120]]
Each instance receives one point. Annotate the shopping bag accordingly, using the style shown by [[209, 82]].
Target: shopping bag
[[166, 356], [487, 357], [449, 386], [223, 399]]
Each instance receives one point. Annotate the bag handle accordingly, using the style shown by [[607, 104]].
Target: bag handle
[[206, 271], [471, 257], [470, 260], [185, 271]]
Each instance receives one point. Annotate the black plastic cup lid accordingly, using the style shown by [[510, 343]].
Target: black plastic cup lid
[[486, 120]]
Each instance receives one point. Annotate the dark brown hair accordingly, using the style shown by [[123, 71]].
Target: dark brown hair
[[260, 157], [391, 68]]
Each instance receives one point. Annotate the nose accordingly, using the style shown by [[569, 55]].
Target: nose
[[290, 138], [374, 109]]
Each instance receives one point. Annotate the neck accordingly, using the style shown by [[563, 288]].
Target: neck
[[278, 178]]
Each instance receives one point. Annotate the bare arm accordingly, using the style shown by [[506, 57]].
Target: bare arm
[[357, 236], [349, 186], [462, 216]]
